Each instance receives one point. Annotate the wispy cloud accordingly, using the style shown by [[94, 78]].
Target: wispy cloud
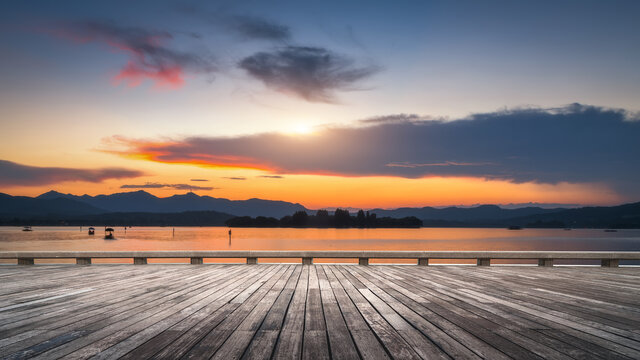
[[235, 178], [311, 73], [247, 26], [198, 180], [150, 56], [152, 185], [13, 174], [253, 27], [271, 176], [407, 164]]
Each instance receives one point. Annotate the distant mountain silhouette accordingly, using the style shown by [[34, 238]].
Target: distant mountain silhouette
[[620, 217], [625, 216], [474, 214], [22, 205], [142, 201], [53, 208]]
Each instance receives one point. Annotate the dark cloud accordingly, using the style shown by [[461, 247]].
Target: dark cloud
[[151, 185], [246, 26], [311, 73], [252, 27], [149, 55], [575, 143], [198, 180], [13, 174], [271, 176], [235, 178]]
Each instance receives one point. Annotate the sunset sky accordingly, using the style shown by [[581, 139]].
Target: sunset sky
[[325, 103]]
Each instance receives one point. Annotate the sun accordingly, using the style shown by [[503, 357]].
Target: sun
[[302, 129]]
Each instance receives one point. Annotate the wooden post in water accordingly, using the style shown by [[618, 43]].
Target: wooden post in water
[[252, 260], [545, 262], [307, 261], [610, 263], [423, 261], [363, 261], [25, 261], [196, 261], [83, 261], [139, 261], [484, 262]]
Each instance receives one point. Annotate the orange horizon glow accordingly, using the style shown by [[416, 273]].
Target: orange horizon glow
[[316, 192]]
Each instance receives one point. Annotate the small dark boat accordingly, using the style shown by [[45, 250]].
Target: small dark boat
[[108, 233], [610, 230], [27, 228], [92, 231], [514, 227]]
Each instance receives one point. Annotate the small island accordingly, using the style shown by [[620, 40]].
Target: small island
[[323, 219]]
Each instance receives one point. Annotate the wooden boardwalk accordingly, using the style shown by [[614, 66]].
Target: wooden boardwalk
[[319, 312]]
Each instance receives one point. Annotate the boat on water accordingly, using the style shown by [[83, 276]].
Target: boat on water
[[27, 228], [108, 233], [92, 231]]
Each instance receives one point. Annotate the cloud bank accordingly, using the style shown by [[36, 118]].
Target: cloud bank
[[311, 73], [150, 56], [576, 143], [13, 174]]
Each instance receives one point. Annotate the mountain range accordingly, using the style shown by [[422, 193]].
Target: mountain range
[[142, 201], [191, 209]]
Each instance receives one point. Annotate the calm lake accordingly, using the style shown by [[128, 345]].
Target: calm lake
[[217, 238]]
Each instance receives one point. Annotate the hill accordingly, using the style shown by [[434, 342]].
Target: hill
[[26, 206], [142, 201], [482, 213], [625, 216]]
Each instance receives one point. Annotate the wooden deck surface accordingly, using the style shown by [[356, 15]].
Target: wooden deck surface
[[319, 312]]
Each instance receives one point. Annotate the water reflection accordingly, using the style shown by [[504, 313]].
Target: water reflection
[[220, 238]]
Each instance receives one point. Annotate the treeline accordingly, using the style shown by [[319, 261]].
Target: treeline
[[322, 219]]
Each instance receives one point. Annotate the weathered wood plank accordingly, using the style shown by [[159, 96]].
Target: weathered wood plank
[[318, 311], [289, 345]]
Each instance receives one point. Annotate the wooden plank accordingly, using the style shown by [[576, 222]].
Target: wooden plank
[[315, 344], [237, 343], [67, 323], [216, 338], [265, 339], [289, 345], [193, 330], [155, 342], [421, 344], [506, 339], [103, 337], [388, 336], [340, 342], [365, 340], [511, 304]]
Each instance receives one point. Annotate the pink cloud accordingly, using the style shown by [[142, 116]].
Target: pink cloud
[[150, 57]]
